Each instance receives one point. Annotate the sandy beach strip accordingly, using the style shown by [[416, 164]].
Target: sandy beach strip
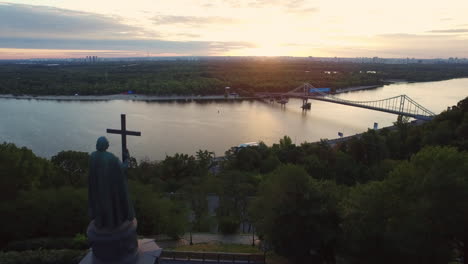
[[356, 88], [133, 97]]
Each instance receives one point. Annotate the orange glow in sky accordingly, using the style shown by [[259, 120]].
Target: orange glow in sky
[[113, 28]]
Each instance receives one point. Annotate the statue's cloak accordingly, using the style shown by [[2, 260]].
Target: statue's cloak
[[109, 202]]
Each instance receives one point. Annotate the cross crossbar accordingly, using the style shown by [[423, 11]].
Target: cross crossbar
[[128, 133], [124, 132]]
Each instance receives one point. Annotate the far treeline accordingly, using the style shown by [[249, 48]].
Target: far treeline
[[388, 196], [209, 76]]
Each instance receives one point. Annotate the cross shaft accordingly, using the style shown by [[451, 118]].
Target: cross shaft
[[124, 133]]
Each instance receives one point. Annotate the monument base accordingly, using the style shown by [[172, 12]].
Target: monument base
[[119, 246], [148, 253]]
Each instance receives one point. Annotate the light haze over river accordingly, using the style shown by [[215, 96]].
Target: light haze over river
[[48, 127]]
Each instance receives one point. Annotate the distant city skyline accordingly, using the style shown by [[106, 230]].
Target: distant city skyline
[[320, 28], [97, 59]]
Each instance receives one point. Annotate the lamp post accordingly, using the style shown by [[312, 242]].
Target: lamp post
[[191, 242], [191, 218], [253, 236]]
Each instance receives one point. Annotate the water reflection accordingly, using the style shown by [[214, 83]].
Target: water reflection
[[48, 127]]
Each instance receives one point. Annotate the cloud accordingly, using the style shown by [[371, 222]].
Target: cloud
[[419, 45], [399, 45], [292, 6], [299, 7], [153, 46], [49, 28], [455, 30], [19, 20], [188, 35], [303, 10], [191, 20], [208, 5], [233, 3]]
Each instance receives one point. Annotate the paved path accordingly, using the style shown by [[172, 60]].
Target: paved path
[[245, 239], [169, 261], [197, 238]]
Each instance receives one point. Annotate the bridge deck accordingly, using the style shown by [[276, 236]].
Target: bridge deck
[[421, 117], [343, 102]]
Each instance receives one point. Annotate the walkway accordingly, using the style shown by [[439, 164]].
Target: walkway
[[197, 238]]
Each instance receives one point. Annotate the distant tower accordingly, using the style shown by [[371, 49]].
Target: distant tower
[[91, 59]]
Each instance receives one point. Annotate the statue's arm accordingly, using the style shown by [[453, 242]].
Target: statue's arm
[[125, 164], [127, 206]]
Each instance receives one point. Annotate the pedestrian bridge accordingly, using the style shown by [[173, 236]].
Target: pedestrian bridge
[[400, 105]]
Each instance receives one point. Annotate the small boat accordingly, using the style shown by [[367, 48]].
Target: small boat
[[244, 145], [249, 144], [282, 101], [306, 106]]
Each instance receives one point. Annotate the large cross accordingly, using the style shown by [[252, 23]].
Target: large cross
[[124, 134]]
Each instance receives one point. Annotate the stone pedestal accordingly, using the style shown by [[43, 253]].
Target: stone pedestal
[[119, 246]]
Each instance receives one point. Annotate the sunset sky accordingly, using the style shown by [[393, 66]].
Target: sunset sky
[[117, 28]]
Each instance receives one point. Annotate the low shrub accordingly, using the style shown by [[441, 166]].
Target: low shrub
[[63, 256], [228, 225], [78, 242], [51, 212]]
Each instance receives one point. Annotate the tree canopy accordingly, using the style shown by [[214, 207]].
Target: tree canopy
[[389, 196], [208, 76]]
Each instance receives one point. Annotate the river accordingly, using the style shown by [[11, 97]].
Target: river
[[48, 127]]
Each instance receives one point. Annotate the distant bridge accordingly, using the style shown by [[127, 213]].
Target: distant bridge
[[399, 105]]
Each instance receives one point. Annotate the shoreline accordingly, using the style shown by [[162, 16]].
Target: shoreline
[[131, 97], [357, 88], [169, 98], [334, 141], [180, 98], [154, 98]]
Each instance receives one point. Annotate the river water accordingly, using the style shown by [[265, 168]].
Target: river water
[[48, 127]]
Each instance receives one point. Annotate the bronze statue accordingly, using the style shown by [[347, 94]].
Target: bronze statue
[[112, 231], [108, 198]]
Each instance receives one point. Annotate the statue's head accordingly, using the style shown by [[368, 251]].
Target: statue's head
[[102, 144]]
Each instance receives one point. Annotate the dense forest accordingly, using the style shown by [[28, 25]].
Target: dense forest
[[388, 196], [208, 76]]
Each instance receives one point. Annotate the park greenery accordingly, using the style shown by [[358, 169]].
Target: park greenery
[[218, 247], [208, 76], [387, 196]]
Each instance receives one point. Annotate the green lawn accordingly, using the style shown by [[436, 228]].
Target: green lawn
[[231, 248], [218, 247]]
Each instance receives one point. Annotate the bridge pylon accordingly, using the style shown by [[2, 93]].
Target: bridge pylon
[[306, 105]]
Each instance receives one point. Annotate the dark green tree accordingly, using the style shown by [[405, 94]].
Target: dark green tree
[[416, 215], [297, 216], [74, 166], [22, 170], [236, 190]]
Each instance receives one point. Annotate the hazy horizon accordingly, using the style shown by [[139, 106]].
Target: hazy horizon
[[83, 55], [299, 28]]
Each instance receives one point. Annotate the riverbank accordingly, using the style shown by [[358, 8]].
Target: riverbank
[[333, 142], [131, 97], [356, 88], [157, 98], [390, 81], [154, 98]]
